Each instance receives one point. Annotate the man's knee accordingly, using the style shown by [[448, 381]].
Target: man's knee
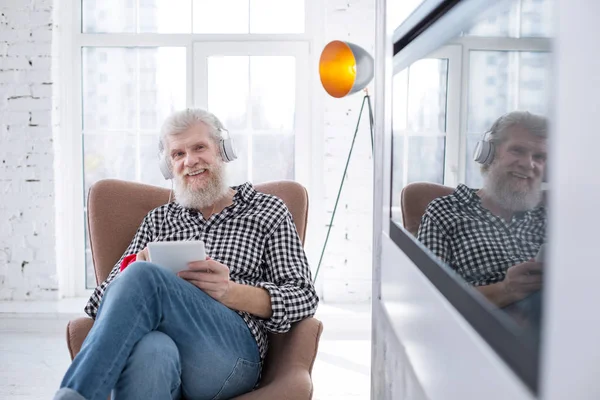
[[156, 351], [153, 369]]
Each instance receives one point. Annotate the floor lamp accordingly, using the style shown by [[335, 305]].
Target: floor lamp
[[344, 69]]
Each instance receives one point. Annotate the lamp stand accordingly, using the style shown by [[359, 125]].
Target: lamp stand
[[366, 99]]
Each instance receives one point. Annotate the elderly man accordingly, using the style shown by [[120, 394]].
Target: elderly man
[[201, 334], [491, 236]]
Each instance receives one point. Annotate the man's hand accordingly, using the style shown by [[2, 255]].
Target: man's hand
[[210, 276], [523, 279], [143, 255]]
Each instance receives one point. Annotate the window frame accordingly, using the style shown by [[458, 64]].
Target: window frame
[[68, 127]]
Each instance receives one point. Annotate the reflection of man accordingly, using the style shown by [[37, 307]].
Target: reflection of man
[[491, 236], [202, 334]]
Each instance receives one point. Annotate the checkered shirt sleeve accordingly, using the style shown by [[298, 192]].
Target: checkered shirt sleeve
[[288, 278]]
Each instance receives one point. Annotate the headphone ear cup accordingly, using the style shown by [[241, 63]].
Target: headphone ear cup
[[484, 152], [164, 168], [227, 149]]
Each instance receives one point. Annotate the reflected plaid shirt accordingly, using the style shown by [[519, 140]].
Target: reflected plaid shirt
[[256, 238], [477, 244]]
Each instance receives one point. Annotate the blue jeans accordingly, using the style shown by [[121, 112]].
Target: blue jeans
[[157, 336]]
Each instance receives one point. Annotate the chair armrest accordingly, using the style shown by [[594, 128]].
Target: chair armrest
[[77, 331], [289, 363], [291, 384]]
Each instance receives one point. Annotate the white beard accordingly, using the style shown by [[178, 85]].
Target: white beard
[[498, 188], [198, 199]]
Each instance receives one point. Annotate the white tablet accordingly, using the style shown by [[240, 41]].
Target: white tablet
[[175, 256]]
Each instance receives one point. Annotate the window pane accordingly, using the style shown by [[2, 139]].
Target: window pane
[[108, 16], [419, 125], [109, 155], [536, 18], [273, 92], [162, 84], [131, 88], [165, 16], [502, 24], [532, 18], [237, 171], [427, 86], [273, 157], [222, 16], [426, 159], [228, 86], [157, 16], [277, 16], [109, 90], [501, 81]]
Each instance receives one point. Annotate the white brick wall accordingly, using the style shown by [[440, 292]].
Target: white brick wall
[[27, 257], [346, 269]]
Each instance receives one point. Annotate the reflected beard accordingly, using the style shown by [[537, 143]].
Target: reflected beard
[[214, 190], [498, 186]]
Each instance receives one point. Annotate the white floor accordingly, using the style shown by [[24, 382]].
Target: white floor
[[34, 355]]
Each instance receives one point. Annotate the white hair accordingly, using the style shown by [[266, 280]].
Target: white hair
[[181, 121], [536, 124]]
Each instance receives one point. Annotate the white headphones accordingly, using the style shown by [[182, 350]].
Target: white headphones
[[226, 149], [484, 150]]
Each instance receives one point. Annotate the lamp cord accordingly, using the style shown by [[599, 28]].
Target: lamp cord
[[366, 98]]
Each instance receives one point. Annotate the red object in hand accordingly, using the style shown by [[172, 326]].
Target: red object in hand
[[126, 261]]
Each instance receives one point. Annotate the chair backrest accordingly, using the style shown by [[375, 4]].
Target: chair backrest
[[116, 209], [414, 199]]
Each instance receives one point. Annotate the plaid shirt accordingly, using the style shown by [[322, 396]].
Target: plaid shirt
[[477, 244], [256, 238]]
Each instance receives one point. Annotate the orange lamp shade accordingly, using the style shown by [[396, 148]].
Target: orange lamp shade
[[345, 68]]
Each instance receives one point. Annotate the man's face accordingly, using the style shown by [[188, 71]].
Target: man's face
[[516, 173], [194, 158]]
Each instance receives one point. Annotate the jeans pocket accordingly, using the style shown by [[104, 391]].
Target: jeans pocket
[[242, 379]]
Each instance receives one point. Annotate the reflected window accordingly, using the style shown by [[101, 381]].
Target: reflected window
[[487, 226], [524, 18]]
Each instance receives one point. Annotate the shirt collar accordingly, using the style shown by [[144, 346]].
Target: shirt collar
[[244, 192], [467, 195]]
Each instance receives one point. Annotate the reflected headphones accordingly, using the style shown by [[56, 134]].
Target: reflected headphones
[[484, 150], [226, 149]]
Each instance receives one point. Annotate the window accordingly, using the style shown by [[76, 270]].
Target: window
[[197, 16], [139, 61], [504, 64], [520, 80]]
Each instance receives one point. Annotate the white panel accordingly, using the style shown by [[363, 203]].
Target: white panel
[[449, 359], [571, 355]]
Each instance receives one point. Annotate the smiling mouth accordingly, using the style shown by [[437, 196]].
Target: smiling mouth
[[519, 176], [196, 173]]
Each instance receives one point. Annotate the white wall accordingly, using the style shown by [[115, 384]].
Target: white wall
[[346, 269], [27, 230], [27, 257]]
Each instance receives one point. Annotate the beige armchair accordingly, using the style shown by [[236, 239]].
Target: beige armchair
[[414, 199], [116, 209]]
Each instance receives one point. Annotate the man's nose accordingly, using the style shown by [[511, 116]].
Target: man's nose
[[527, 161], [190, 160]]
